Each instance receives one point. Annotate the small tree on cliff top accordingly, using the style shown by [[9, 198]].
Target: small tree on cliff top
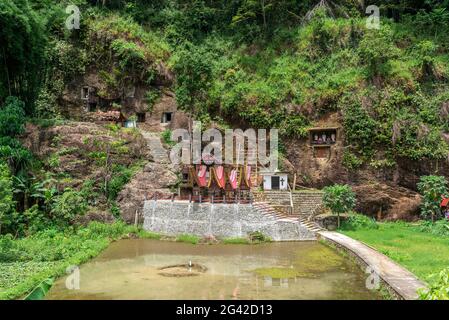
[[432, 188], [339, 199]]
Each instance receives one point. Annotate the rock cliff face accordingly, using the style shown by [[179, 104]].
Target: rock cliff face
[[74, 153], [70, 149], [155, 180], [386, 193]]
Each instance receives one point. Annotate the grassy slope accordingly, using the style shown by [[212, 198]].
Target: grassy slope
[[422, 253]]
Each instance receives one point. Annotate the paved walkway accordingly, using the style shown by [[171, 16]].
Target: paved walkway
[[403, 282]]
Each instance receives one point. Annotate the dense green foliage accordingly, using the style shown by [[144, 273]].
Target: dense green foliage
[[260, 63], [266, 63], [433, 189], [339, 199], [359, 221], [22, 53], [439, 290], [26, 262], [6, 194]]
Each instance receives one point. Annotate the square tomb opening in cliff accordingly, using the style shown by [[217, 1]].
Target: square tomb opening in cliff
[[167, 117], [141, 117], [92, 106], [84, 93], [323, 136]]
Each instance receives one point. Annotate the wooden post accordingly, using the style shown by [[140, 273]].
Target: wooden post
[[294, 182], [136, 218]]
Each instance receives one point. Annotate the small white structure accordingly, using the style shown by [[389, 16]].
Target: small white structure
[[130, 124], [275, 180]]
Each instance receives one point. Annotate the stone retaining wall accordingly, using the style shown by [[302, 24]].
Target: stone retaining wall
[[220, 220]]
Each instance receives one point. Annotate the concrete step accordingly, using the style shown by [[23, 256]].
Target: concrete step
[[154, 144], [310, 225]]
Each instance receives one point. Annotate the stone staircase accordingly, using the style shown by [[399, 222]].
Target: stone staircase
[[266, 209], [307, 202], [310, 225], [305, 205], [157, 150], [304, 202]]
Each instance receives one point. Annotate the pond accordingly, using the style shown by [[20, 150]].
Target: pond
[[151, 269]]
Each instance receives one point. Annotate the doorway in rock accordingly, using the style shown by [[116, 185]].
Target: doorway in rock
[[167, 117], [92, 107], [275, 183], [141, 117]]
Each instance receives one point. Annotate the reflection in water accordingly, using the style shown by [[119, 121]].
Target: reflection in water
[[129, 269]]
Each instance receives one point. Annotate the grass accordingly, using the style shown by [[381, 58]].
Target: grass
[[236, 241], [421, 252], [149, 235], [188, 238]]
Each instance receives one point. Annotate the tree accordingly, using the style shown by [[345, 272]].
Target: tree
[[194, 73], [339, 199], [432, 188], [12, 117], [6, 193], [22, 51], [376, 49]]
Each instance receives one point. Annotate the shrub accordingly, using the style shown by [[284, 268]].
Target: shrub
[[12, 151], [339, 199], [425, 55], [359, 221], [115, 209], [439, 228], [432, 188], [351, 161], [6, 193], [113, 231], [12, 117], [121, 175], [68, 205], [8, 249], [360, 128], [438, 290], [166, 137], [258, 237], [376, 49], [36, 219]]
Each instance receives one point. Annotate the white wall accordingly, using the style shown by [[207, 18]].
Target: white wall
[[282, 186], [267, 182]]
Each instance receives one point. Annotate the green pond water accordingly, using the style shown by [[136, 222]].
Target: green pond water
[[130, 269]]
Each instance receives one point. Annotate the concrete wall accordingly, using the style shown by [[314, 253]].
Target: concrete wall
[[283, 181], [220, 220]]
